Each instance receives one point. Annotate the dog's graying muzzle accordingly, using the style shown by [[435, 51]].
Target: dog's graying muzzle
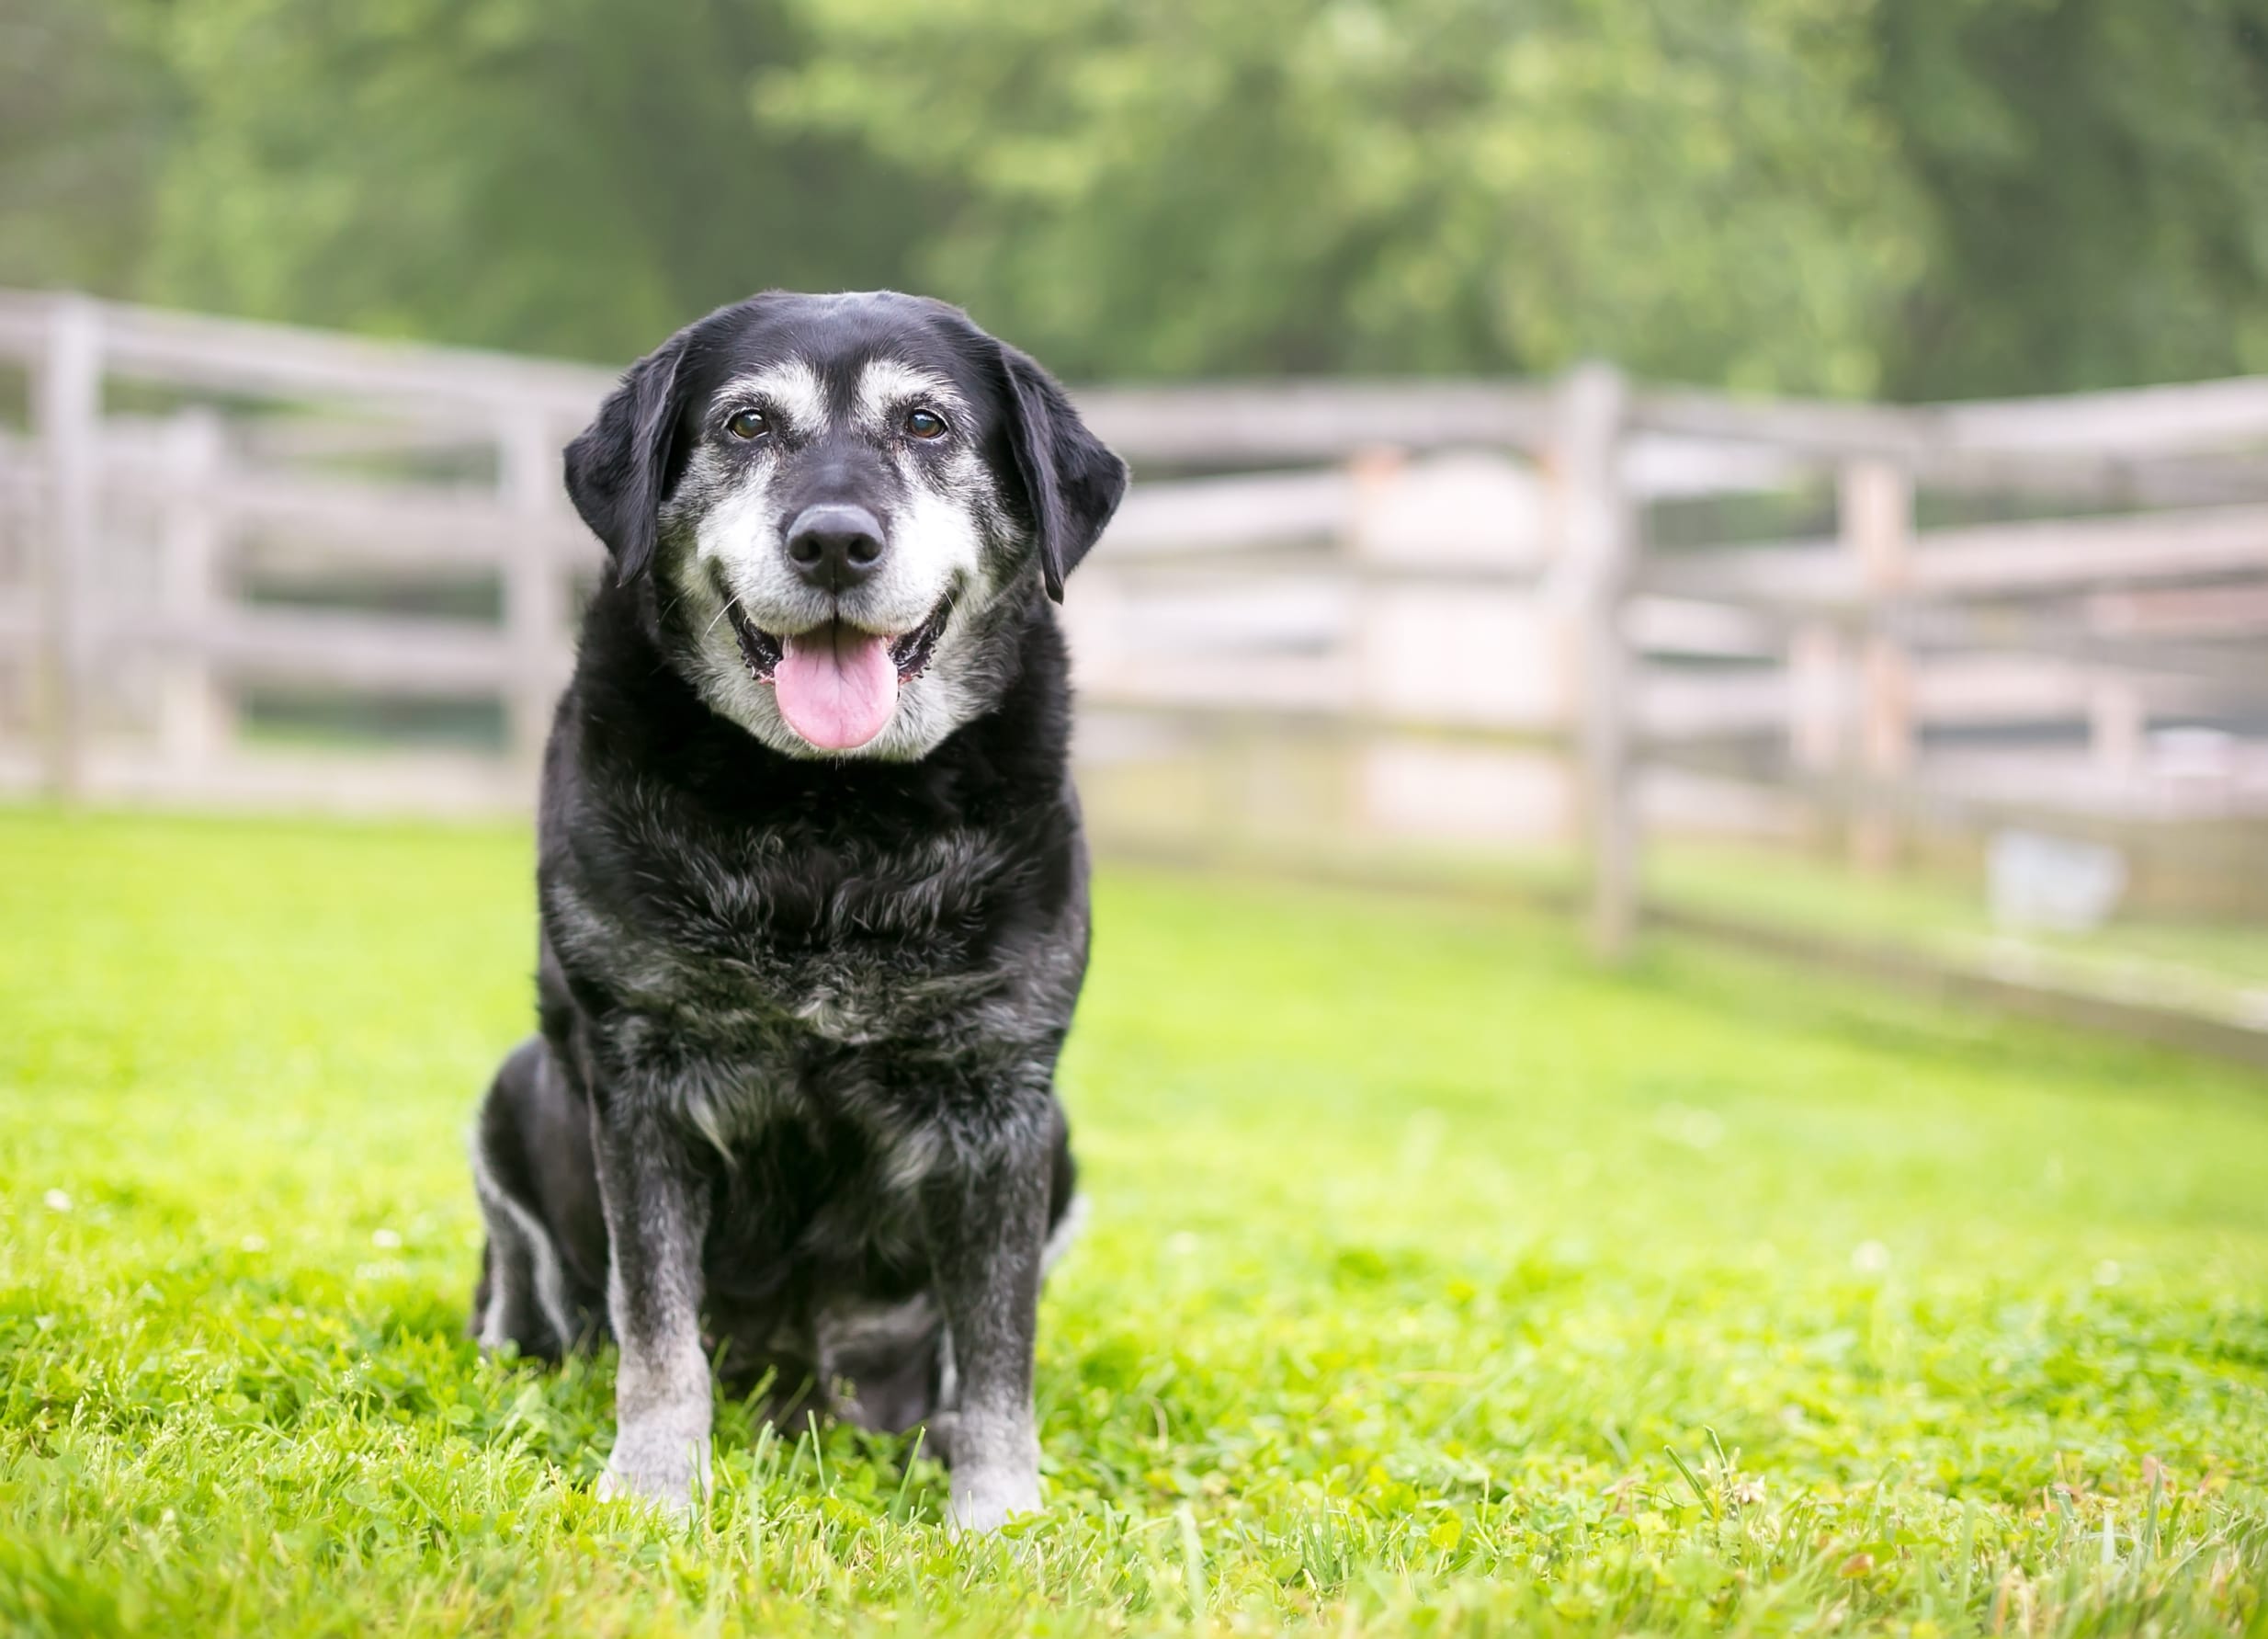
[[834, 546]]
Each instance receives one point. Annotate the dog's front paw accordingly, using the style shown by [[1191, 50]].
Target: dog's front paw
[[986, 1501], [667, 1471]]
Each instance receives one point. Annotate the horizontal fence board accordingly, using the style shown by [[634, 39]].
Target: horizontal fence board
[[394, 657], [404, 525], [241, 355], [1791, 578], [1969, 691], [2129, 422], [2069, 799], [1803, 429], [1980, 690], [1241, 614], [1257, 683], [1664, 467], [2104, 635], [2073, 429], [2105, 650], [2182, 611], [305, 440], [1207, 515], [1673, 706], [2058, 553], [1701, 630], [2043, 555], [379, 655], [1218, 426], [1669, 467]]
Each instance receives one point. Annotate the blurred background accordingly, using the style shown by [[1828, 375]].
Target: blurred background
[[1791, 470]]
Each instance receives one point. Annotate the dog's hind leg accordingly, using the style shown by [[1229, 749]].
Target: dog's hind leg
[[1067, 1209], [526, 1295], [504, 1307]]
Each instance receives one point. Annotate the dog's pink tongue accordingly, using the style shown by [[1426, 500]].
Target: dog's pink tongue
[[836, 686]]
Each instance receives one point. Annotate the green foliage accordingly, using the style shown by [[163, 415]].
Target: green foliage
[[86, 108], [1923, 196], [557, 175], [1184, 189], [2097, 172], [1435, 1283]]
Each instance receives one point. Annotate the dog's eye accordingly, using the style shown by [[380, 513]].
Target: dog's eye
[[924, 424], [747, 423]]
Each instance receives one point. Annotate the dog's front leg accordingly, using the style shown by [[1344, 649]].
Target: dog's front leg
[[656, 1204], [987, 1227]]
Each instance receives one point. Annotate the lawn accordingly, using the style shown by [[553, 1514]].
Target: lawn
[[1433, 1282]]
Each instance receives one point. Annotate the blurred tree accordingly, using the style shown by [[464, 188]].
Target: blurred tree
[[2096, 173], [85, 107], [1178, 187], [1923, 196], [573, 177]]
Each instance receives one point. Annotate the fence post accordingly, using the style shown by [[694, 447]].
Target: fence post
[[1598, 545], [68, 414], [1374, 474], [193, 713], [2117, 725], [1875, 507], [535, 603]]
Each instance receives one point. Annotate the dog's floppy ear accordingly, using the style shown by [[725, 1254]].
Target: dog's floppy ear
[[618, 466], [1072, 480]]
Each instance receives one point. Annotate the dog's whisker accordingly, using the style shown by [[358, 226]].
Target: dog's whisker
[[723, 610]]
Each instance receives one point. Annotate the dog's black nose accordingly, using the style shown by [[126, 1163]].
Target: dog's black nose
[[834, 547]]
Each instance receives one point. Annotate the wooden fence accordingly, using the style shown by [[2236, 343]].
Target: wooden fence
[[1344, 614], [2073, 645]]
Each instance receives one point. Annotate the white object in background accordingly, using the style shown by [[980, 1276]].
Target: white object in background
[[2196, 769], [2054, 883]]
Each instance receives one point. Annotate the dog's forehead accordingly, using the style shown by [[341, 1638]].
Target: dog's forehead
[[851, 348]]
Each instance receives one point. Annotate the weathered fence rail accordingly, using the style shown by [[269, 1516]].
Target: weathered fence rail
[[1453, 613]]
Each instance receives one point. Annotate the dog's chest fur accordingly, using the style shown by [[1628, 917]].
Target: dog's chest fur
[[868, 950], [788, 948]]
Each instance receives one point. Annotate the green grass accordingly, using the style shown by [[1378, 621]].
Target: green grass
[[2219, 967], [1435, 1282]]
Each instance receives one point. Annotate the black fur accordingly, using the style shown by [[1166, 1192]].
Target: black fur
[[617, 468], [799, 1015], [1072, 484]]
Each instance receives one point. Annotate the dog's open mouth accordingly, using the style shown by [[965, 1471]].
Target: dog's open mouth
[[837, 684], [761, 652]]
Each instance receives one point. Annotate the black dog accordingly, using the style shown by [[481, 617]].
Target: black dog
[[814, 894]]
